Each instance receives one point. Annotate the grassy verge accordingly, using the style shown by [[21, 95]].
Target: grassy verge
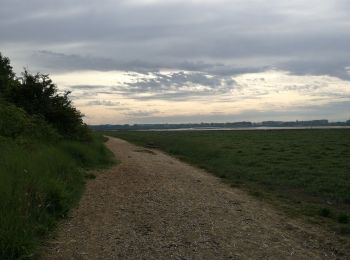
[[39, 183], [306, 172]]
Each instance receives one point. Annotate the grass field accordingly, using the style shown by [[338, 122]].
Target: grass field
[[303, 171], [39, 183]]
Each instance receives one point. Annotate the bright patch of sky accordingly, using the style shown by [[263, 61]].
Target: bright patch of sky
[[111, 97]]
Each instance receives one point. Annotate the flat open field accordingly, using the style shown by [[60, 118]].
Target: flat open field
[[305, 172]]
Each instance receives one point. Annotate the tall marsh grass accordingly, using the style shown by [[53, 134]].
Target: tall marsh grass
[[39, 183]]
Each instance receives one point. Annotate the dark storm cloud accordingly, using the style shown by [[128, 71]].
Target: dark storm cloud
[[63, 62], [217, 37]]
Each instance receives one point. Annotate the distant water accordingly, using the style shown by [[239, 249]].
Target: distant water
[[249, 128]]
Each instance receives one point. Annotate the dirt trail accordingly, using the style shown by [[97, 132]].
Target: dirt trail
[[152, 206]]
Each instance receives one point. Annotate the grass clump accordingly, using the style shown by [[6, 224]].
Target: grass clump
[[325, 212], [94, 155], [344, 230], [343, 218], [39, 183]]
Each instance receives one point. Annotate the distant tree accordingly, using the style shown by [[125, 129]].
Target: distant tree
[[7, 76]]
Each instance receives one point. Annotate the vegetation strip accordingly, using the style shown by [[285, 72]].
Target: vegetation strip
[[45, 153]]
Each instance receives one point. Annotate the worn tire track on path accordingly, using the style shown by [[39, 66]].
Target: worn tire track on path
[[152, 206]]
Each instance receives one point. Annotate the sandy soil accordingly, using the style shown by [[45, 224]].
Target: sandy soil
[[152, 206]]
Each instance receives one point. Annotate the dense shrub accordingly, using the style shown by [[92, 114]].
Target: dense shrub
[[40, 130], [16, 123], [7, 77], [39, 96], [13, 120]]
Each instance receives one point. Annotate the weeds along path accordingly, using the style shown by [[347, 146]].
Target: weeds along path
[[152, 206]]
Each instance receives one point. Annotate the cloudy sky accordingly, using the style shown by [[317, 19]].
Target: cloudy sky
[[158, 61]]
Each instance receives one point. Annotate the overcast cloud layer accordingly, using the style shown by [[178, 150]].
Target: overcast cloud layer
[[177, 53]]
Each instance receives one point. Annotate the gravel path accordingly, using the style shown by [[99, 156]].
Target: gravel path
[[152, 206]]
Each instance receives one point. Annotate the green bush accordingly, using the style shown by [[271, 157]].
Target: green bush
[[39, 96], [7, 76], [39, 129], [16, 123], [13, 120]]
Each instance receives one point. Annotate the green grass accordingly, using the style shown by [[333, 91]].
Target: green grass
[[305, 171], [39, 183]]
